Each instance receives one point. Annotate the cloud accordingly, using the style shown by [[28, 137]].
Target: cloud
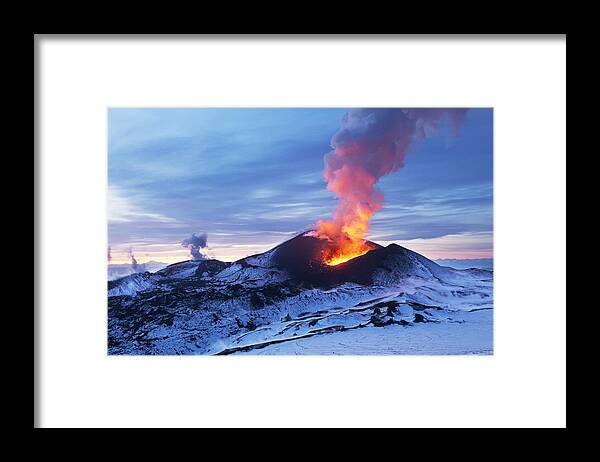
[[122, 209], [460, 245]]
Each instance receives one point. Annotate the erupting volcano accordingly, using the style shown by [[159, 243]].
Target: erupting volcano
[[370, 144], [294, 268]]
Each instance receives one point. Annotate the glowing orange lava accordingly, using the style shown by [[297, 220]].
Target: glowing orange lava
[[344, 257], [347, 241]]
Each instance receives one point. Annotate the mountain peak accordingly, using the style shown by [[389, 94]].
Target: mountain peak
[[302, 258]]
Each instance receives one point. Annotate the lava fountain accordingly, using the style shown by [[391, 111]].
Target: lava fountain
[[371, 143]]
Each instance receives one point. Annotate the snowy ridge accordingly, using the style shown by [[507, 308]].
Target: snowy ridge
[[285, 301], [250, 275], [262, 260], [132, 284], [183, 269]]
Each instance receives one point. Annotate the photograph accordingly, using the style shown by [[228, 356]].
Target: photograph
[[300, 231]]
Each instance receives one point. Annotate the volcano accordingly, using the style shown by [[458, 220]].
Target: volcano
[[301, 259], [289, 295]]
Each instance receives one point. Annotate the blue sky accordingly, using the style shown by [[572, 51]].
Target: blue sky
[[251, 178]]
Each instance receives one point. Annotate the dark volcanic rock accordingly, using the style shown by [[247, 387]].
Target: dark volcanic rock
[[302, 258]]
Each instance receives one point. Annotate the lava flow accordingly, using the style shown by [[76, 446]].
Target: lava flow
[[343, 255]]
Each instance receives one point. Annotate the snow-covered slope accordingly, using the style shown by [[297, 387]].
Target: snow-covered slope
[[184, 269], [132, 284], [285, 301]]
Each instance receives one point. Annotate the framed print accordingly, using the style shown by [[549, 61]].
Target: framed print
[[228, 225]]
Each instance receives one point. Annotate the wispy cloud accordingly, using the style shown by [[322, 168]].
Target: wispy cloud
[[122, 209], [463, 245]]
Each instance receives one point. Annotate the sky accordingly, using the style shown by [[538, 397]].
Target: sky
[[253, 178]]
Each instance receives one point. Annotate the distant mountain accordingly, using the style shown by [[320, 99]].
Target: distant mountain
[[286, 300], [120, 270], [481, 263]]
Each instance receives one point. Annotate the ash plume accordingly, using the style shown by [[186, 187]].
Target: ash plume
[[372, 143], [109, 256], [134, 264], [195, 243]]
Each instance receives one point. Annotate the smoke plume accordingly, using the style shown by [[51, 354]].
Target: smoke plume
[[371, 143], [195, 243], [134, 264]]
